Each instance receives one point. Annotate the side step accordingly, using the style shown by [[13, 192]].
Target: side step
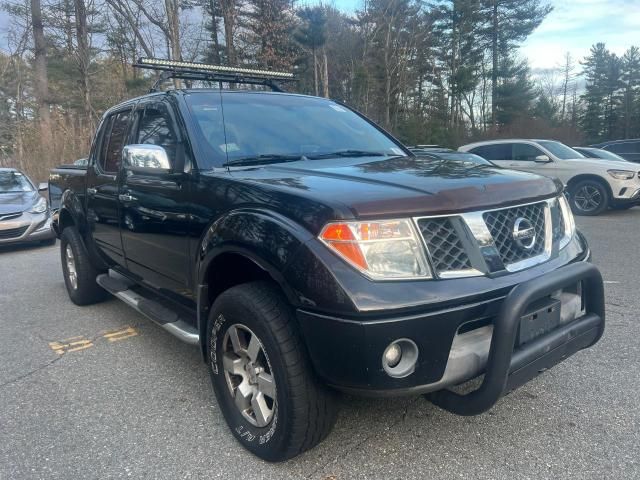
[[122, 288]]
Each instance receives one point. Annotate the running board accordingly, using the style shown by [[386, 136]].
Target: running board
[[121, 287]]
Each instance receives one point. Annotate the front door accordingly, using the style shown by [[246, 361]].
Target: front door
[[102, 186], [154, 206]]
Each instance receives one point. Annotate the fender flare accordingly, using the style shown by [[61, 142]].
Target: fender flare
[[249, 233]]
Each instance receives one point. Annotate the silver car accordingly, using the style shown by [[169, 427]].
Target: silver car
[[25, 215]]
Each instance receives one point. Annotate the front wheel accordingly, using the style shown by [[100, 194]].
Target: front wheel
[[589, 198], [261, 375], [79, 274]]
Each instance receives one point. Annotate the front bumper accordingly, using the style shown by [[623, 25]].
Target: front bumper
[[625, 191], [457, 344], [28, 227]]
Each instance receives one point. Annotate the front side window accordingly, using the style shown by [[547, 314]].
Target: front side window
[[14, 182], [115, 135], [497, 151], [525, 152], [155, 128], [259, 125], [560, 150]]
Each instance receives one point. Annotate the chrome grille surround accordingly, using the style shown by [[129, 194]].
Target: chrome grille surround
[[482, 236]]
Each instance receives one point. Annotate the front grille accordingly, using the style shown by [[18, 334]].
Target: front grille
[[501, 223], [12, 232], [445, 248]]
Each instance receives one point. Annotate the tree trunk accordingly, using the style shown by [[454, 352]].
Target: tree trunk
[[173, 22], [229, 16], [214, 35], [83, 56], [315, 71], [40, 74], [325, 74], [494, 57]]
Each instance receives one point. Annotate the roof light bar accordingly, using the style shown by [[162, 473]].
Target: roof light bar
[[170, 64]]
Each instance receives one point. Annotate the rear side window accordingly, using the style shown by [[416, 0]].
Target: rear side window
[[498, 151], [525, 152], [115, 135], [156, 128]]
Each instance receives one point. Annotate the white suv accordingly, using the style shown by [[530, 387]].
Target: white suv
[[593, 185]]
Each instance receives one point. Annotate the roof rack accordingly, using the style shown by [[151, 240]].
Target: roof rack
[[212, 73]]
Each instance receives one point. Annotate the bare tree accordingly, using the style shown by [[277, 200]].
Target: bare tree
[[40, 73]]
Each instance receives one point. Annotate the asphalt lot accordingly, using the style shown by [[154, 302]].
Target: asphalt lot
[[136, 402]]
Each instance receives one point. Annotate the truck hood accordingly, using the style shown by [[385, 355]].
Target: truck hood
[[14, 202], [402, 186]]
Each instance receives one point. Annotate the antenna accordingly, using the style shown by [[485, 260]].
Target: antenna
[[213, 73]]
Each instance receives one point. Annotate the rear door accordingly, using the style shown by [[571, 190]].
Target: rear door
[[154, 206], [498, 153], [102, 185]]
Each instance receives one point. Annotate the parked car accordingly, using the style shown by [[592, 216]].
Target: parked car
[[593, 185], [591, 152], [24, 213], [628, 149], [307, 251]]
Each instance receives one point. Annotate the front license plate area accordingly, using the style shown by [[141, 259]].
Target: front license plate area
[[542, 316]]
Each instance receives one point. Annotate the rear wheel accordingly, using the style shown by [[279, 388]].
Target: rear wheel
[[79, 274], [261, 375], [589, 198]]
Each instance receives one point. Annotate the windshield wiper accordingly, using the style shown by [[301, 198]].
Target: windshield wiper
[[346, 153], [262, 159]]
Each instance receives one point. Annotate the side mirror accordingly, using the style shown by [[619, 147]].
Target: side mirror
[[145, 158], [43, 187], [542, 159]]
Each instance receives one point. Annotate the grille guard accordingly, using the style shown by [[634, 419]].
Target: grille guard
[[508, 368]]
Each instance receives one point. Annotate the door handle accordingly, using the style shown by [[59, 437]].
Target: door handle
[[91, 191], [126, 198]]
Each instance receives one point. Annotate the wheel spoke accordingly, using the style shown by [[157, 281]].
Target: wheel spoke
[[232, 363], [254, 348], [243, 396], [235, 340], [266, 385], [261, 410]]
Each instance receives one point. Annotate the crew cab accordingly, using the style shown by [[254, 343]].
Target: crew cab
[[593, 185], [306, 252]]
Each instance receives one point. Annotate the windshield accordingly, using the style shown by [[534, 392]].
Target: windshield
[[266, 128], [12, 182], [560, 150]]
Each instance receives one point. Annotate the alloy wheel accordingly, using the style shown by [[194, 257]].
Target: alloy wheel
[[249, 375], [72, 274], [588, 198]]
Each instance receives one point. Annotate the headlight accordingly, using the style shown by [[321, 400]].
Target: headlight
[[40, 206], [388, 249], [569, 222], [621, 174]]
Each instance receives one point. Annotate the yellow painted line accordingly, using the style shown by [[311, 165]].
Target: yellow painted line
[[72, 344], [118, 335]]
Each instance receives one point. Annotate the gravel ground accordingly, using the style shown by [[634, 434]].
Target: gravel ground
[[141, 406]]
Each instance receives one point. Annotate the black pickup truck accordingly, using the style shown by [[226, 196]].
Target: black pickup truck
[[306, 251]]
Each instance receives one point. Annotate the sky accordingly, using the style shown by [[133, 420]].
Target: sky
[[573, 26]]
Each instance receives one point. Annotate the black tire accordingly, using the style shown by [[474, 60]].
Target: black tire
[[589, 198], [304, 411], [85, 291]]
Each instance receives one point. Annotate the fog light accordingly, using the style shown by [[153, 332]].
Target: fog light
[[400, 357], [392, 355]]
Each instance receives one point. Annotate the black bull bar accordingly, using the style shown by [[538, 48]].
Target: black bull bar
[[509, 367]]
